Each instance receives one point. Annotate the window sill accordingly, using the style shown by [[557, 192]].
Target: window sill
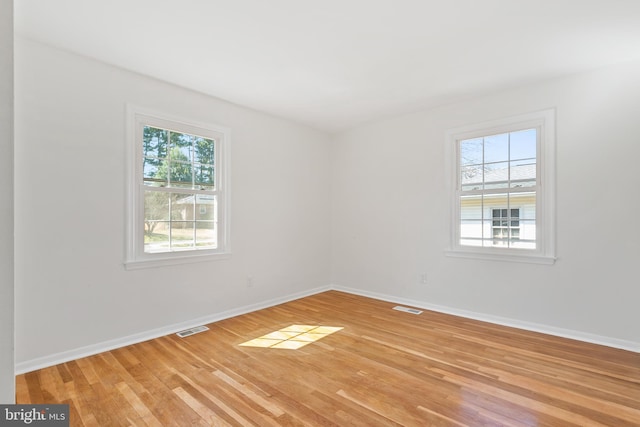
[[164, 261], [490, 256]]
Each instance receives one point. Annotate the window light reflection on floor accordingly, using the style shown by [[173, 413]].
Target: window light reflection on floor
[[292, 337]]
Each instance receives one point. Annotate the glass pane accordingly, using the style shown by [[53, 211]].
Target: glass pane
[[156, 206], [470, 229], [150, 173], [471, 177], [471, 220], [526, 203], [471, 151], [524, 226], [496, 230], [154, 142], [500, 232], [496, 243], [470, 242], [182, 234], [497, 202], [523, 173], [496, 175], [181, 174], [204, 150], [204, 176], [206, 207], [471, 207], [523, 144], [527, 230], [181, 147], [156, 238], [182, 208], [206, 235], [496, 148], [487, 233]]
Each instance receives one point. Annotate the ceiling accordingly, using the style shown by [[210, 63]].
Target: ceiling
[[334, 64]]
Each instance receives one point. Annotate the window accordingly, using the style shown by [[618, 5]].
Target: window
[[178, 182], [505, 226], [503, 189]]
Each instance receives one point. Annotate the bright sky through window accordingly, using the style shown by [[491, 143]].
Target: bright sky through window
[[292, 337]]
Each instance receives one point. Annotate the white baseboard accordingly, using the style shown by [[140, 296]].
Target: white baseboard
[[514, 323], [90, 350]]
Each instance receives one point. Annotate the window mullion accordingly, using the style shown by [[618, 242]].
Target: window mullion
[[482, 219], [170, 222], [179, 190], [484, 167], [169, 158], [508, 220], [509, 187]]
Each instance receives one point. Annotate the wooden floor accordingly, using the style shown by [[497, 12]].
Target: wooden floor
[[384, 368]]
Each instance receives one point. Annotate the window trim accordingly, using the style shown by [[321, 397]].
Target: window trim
[[135, 257], [545, 187]]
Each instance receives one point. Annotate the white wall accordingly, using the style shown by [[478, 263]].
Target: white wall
[[7, 394], [71, 288], [390, 211], [367, 211]]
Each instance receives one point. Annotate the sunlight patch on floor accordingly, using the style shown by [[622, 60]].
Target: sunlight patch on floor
[[292, 337]]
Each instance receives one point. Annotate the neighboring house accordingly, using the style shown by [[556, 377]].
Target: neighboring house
[[198, 208], [501, 219]]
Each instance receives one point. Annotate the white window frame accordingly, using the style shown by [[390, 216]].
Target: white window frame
[[136, 257], [544, 122]]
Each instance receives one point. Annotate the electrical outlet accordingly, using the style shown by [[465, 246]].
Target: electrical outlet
[[423, 278], [249, 281]]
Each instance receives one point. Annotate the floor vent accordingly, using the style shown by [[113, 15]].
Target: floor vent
[[188, 332], [407, 309]]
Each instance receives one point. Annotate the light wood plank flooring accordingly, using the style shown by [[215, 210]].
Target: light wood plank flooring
[[384, 368]]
